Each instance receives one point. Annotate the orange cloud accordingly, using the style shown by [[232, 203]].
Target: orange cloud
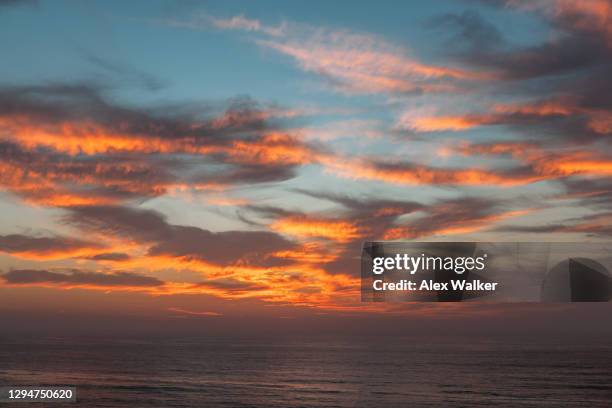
[[572, 164], [44, 181], [500, 114], [547, 164], [300, 284], [309, 253], [557, 107], [601, 122], [305, 226], [76, 172], [513, 148], [272, 148], [418, 174], [444, 123], [90, 138], [81, 137]]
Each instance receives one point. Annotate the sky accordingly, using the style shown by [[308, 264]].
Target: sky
[[214, 161]]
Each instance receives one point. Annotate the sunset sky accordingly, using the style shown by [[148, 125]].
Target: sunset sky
[[208, 160]]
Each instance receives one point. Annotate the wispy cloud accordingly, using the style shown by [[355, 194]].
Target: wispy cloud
[[247, 24], [352, 62]]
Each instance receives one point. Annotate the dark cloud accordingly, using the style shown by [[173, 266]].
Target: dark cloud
[[150, 227], [270, 211], [558, 57], [78, 278], [470, 31], [18, 243], [531, 229], [109, 256], [448, 214], [253, 247], [248, 174], [367, 206], [51, 103], [594, 90], [584, 42], [595, 225], [233, 285], [138, 224], [348, 261], [56, 103], [594, 193]]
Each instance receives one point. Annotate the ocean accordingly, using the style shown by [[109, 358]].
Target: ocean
[[398, 372]]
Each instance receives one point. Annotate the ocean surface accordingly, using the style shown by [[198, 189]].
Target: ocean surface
[[399, 372]]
